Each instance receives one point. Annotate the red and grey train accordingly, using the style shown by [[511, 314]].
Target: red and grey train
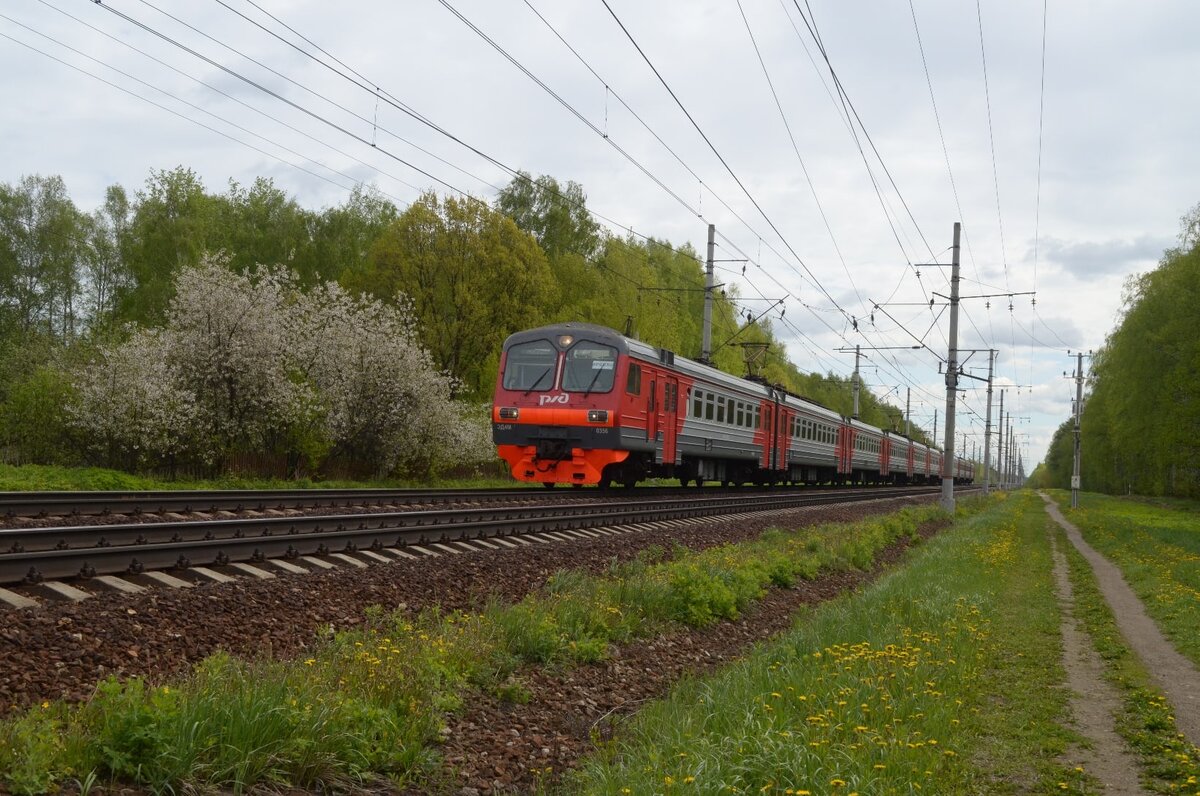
[[580, 404]]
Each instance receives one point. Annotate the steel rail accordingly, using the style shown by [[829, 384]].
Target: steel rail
[[93, 550], [38, 504]]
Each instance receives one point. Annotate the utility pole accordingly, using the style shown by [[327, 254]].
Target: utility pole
[[987, 428], [1078, 411], [1009, 455], [706, 344], [857, 378], [1000, 444], [951, 381], [934, 437], [907, 411]]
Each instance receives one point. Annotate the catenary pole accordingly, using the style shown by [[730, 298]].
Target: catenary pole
[[907, 411], [706, 345], [951, 381], [857, 355], [1078, 409], [987, 428], [1000, 445]]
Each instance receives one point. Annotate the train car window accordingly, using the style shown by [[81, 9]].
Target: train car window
[[697, 403], [530, 366], [720, 408], [709, 406], [757, 417], [633, 381], [741, 414], [591, 367]]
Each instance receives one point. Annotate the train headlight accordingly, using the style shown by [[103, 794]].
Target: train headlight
[[597, 415], [508, 413]]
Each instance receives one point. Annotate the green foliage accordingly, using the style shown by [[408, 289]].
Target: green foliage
[[32, 751], [471, 275], [34, 418], [1142, 419]]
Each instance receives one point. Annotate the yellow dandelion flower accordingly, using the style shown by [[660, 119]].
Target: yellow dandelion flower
[[310, 662]]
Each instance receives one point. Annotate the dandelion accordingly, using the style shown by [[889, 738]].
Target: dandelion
[[45, 706], [310, 662]]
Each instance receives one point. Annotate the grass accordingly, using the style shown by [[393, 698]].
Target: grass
[[368, 703], [1156, 545], [943, 677], [1169, 763], [47, 478]]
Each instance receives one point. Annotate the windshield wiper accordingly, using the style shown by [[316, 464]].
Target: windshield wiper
[[538, 381], [593, 382]]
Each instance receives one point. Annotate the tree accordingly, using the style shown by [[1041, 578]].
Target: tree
[[473, 278], [259, 225], [172, 221], [106, 273], [342, 236], [41, 246], [556, 216]]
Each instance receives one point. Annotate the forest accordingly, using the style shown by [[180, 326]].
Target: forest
[[1140, 426], [179, 330]]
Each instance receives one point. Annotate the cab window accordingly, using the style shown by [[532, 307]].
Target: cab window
[[633, 381], [530, 366], [590, 367]]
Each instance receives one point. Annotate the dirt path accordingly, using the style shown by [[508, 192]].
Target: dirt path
[[1174, 674], [1094, 701]]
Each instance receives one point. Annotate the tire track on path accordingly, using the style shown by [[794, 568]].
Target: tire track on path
[[1174, 674]]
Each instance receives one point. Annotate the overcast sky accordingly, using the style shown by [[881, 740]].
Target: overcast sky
[[1117, 144]]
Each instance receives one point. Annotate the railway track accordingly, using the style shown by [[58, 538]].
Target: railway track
[[76, 504], [32, 555]]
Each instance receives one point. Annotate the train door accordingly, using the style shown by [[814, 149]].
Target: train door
[[909, 460], [845, 449], [652, 411], [670, 420], [777, 414], [768, 425], [885, 455]]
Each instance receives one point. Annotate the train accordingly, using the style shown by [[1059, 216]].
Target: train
[[578, 403]]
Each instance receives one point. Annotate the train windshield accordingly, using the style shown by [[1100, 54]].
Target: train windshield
[[591, 367], [530, 366]]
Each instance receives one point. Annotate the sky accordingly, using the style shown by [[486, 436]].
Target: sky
[[1068, 178]]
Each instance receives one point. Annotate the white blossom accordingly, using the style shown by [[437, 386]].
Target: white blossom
[[252, 363]]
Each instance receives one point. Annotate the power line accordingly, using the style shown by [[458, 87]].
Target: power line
[[991, 138], [796, 149], [171, 111], [216, 116], [719, 157]]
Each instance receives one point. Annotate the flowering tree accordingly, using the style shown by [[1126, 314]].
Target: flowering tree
[[252, 363], [130, 406]]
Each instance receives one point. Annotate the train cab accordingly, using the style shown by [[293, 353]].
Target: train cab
[[555, 415]]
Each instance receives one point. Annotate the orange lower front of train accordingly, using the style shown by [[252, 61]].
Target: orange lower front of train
[[583, 466]]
